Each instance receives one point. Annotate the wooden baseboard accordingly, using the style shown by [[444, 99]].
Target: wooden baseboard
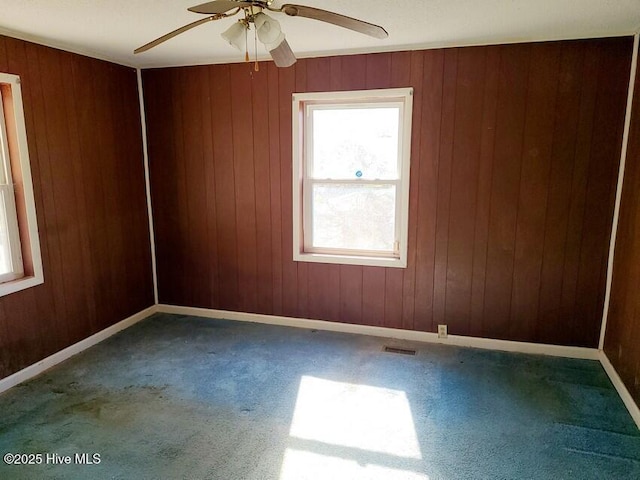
[[58, 357], [428, 337], [626, 397]]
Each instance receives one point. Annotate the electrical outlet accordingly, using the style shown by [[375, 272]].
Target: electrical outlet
[[442, 331]]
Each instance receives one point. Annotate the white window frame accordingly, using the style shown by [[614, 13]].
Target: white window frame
[[16, 280], [303, 104]]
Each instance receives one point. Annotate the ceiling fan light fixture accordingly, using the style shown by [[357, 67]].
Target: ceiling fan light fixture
[[236, 36], [282, 54], [276, 43], [268, 29]]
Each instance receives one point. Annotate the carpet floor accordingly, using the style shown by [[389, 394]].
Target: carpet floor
[[178, 397]]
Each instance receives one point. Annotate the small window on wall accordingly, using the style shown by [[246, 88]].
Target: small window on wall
[[351, 176], [20, 262]]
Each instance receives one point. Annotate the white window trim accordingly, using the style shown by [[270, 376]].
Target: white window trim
[[345, 257], [32, 225]]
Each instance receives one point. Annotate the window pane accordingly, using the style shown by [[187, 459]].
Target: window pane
[[359, 217], [354, 143], [5, 248], [4, 151], [3, 177]]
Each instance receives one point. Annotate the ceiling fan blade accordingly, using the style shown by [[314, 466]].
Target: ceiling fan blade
[[169, 35], [282, 55], [219, 6], [334, 18]]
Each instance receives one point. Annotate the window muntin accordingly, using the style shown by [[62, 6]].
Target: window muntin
[[351, 170]]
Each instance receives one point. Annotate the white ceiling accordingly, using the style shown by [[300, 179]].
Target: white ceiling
[[111, 29]]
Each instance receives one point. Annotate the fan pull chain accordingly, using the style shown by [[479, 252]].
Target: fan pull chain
[[256, 67], [246, 46]]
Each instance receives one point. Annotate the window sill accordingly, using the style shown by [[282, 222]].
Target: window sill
[[350, 260], [20, 284]]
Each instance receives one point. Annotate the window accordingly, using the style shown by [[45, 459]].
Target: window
[[20, 262], [351, 176], [10, 251]]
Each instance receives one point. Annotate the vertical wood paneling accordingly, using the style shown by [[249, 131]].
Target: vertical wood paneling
[[262, 172], [115, 194], [534, 179], [319, 298], [48, 146], [427, 187], [443, 187], [4, 59], [373, 288], [182, 234], [600, 194], [139, 261], [161, 149], [82, 94], [464, 172], [224, 187], [85, 146], [242, 137], [561, 194], [77, 155], [622, 340], [67, 199], [505, 188], [44, 297], [483, 198], [199, 285], [211, 254], [575, 207], [511, 145], [409, 281], [353, 71], [286, 87], [350, 294], [273, 127]]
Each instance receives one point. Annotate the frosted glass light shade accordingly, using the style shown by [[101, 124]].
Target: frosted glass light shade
[[268, 29], [281, 53], [236, 36], [276, 43]]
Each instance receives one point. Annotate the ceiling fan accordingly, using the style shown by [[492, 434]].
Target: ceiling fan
[[267, 29]]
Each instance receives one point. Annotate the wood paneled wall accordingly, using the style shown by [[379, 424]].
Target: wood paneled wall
[[622, 341], [514, 159], [84, 136]]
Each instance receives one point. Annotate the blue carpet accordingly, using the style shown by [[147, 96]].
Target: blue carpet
[[184, 397]]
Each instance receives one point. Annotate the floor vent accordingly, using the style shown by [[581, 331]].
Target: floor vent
[[403, 351]]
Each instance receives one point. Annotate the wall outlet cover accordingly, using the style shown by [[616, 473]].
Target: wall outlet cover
[[442, 331]]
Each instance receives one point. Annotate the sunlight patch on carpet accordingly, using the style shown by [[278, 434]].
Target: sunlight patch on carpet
[[347, 430], [303, 465]]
